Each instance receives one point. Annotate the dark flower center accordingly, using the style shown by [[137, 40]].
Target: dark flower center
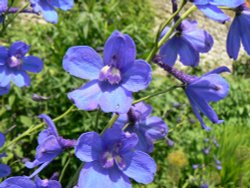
[[110, 74]]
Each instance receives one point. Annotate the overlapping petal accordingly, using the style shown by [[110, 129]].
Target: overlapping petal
[[18, 49], [32, 64], [169, 51], [62, 4], [20, 78], [4, 170], [18, 182]]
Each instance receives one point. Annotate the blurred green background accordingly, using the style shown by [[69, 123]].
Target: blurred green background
[[90, 23]]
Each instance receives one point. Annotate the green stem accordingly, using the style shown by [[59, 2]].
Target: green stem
[[111, 122], [64, 169], [169, 33], [158, 93], [33, 129], [73, 180]]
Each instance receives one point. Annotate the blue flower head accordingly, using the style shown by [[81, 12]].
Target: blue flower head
[[112, 80], [112, 160], [4, 169], [14, 64], [47, 7], [210, 87], [147, 128], [50, 145], [188, 41], [211, 10], [239, 32]]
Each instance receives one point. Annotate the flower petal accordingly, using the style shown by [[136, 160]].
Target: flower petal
[[4, 90], [140, 167], [20, 78], [32, 64], [83, 62], [88, 147], [51, 126], [142, 109], [218, 70], [119, 51], [213, 12], [3, 55], [245, 31], [169, 51], [115, 99], [4, 170], [227, 3], [5, 77], [233, 39], [87, 96], [3, 5], [63, 4], [107, 178], [18, 182], [2, 139], [138, 76], [18, 49]]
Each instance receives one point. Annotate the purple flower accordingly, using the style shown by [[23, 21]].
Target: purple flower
[[112, 80], [50, 145], [14, 64], [3, 8], [218, 164], [210, 87], [148, 129], [204, 185], [206, 151], [188, 42], [47, 8], [195, 166], [239, 32], [112, 160], [25, 182], [4, 169], [211, 10]]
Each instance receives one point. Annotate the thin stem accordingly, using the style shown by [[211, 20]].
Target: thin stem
[[74, 179], [170, 31], [33, 129], [158, 93], [64, 169], [111, 122]]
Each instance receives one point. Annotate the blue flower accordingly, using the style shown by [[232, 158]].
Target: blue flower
[[26, 182], [50, 145], [211, 10], [210, 87], [14, 64], [47, 7], [4, 169], [188, 42], [239, 31], [112, 160], [148, 129], [112, 80], [3, 8]]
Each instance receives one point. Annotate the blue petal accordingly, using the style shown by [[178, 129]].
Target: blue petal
[[2, 139], [169, 51], [46, 183], [5, 77], [119, 51], [89, 147], [111, 136], [145, 143], [140, 167], [18, 182], [51, 126], [218, 70], [142, 110], [138, 76], [233, 39], [3, 55], [20, 78], [83, 62], [3, 5], [93, 175], [63, 4], [188, 55], [129, 141], [43, 135], [196, 111], [86, 97], [115, 99], [4, 170], [213, 12], [32, 64], [19, 49], [227, 3], [201, 2], [245, 31]]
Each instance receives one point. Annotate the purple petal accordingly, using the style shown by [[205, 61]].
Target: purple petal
[[5, 77], [188, 55], [33, 164], [3, 6], [138, 76], [245, 31], [111, 136], [83, 62], [144, 144], [115, 100], [2, 139], [32, 64], [233, 39], [21, 78], [218, 70], [50, 124], [169, 51], [3, 55], [63, 4], [89, 147], [142, 110], [86, 97], [140, 167], [227, 3], [18, 49], [213, 12], [93, 175], [4, 170], [119, 51], [129, 142], [46, 183], [18, 182]]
